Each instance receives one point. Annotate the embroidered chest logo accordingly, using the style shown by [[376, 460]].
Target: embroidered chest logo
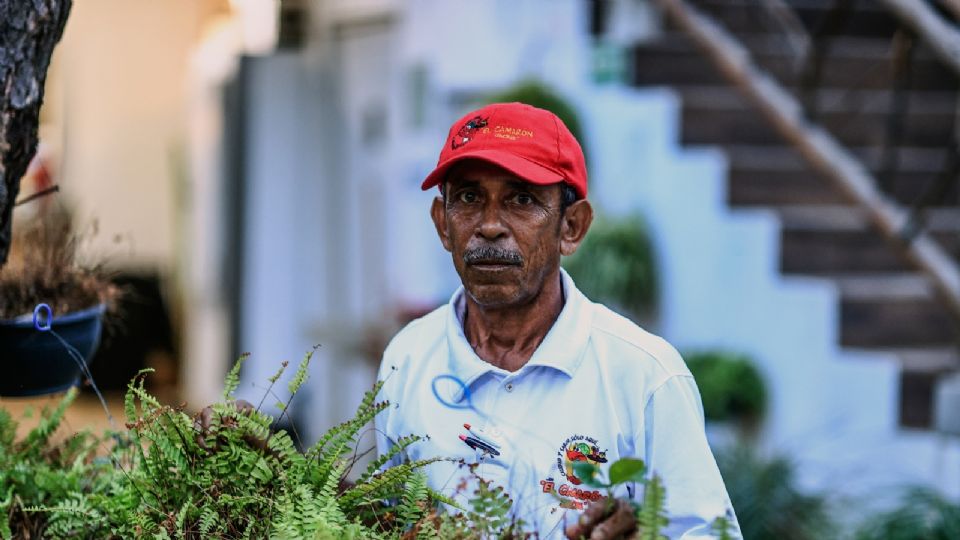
[[577, 448], [465, 133]]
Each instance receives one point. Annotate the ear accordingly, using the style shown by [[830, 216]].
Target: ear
[[574, 225], [439, 215]]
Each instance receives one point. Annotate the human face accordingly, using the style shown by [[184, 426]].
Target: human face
[[503, 233]]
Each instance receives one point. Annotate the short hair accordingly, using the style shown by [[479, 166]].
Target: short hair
[[568, 195]]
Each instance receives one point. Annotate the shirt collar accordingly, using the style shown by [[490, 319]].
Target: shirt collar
[[561, 349]]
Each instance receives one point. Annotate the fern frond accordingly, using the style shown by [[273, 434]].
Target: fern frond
[[415, 499], [129, 399], [282, 446], [391, 480], [398, 447], [232, 381], [208, 520], [438, 497], [184, 514], [652, 516], [301, 375], [721, 526], [40, 435], [370, 396], [276, 376]]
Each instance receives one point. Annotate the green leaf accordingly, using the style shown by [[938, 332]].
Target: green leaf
[[627, 470], [233, 377], [587, 473]]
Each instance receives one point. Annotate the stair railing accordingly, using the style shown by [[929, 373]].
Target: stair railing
[[940, 35], [792, 27], [819, 148]]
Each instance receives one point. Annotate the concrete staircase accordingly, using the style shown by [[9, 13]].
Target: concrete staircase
[[885, 305]]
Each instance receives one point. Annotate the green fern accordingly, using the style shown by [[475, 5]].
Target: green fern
[[399, 446], [301, 375], [652, 516], [233, 377], [490, 510], [721, 527], [168, 476], [40, 435], [416, 497]]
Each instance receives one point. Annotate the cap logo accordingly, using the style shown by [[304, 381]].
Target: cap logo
[[465, 133], [511, 133]]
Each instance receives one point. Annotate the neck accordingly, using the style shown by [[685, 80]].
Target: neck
[[508, 336]]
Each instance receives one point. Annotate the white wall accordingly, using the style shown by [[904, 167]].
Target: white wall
[[122, 68]]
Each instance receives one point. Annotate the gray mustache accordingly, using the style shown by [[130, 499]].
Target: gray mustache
[[492, 255]]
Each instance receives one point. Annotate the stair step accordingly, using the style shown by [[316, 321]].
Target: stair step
[[884, 286], [931, 360], [739, 122], [764, 187], [778, 43], [920, 370], [778, 175], [822, 252], [868, 18], [785, 158], [830, 100], [773, 188], [850, 63], [896, 310], [839, 239], [895, 322], [941, 222]]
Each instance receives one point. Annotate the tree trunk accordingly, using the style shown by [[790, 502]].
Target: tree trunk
[[29, 29]]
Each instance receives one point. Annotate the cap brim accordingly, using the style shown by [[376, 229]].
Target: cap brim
[[518, 166]]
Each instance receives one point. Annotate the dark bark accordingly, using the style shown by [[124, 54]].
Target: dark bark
[[29, 30]]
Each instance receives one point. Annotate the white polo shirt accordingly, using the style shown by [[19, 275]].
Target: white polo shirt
[[598, 388]]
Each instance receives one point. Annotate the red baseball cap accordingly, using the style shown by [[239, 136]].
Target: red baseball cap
[[531, 143]]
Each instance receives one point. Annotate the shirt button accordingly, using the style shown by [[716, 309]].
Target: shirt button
[[509, 387]]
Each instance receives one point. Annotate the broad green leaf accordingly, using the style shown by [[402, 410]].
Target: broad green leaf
[[627, 470], [587, 473]]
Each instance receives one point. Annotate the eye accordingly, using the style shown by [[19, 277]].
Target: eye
[[523, 199], [467, 197]]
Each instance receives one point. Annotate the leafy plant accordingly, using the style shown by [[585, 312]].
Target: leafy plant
[[768, 502], [616, 265], [651, 514], [730, 386], [228, 473], [721, 526], [240, 478], [170, 475], [923, 514], [36, 470]]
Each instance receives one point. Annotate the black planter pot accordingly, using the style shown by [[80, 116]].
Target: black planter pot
[[35, 362]]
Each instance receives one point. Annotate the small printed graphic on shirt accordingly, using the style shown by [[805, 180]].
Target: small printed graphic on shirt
[[577, 448]]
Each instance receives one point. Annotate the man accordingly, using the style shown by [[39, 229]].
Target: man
[[522, 375]]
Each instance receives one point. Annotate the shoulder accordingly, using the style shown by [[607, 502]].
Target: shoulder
[[624, 341], [417, 338]]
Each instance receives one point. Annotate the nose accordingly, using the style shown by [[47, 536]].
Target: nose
[[491, 225]]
